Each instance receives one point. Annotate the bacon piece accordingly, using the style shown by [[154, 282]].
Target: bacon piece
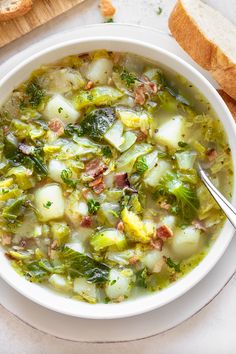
[[26, 149], [139, 94], [56, 126], [145, 90], [107, 9], [89, 85], [97, 184], [157, 244], [121, 180], [164, 205], [96, 181], [92, 166], [133, 260], [99, 188], [6, 239], [211, 154], [141, 136], [27, 242], [120, 226], [86, 221], [163, 232], [199, 225], [95, 167]]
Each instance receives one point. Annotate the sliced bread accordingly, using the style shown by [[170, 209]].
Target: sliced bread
[[209, 38], [14, 8], [230, 102]]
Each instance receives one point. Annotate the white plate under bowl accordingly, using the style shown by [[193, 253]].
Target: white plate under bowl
[[149, 324]]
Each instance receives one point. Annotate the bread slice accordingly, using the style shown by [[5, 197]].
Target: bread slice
[[14, 8], [230, 102], [209, 38]]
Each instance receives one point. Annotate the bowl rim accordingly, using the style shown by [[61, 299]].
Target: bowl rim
[[139, 306]]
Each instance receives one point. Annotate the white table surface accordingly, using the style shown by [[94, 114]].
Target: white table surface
[[210, 331]]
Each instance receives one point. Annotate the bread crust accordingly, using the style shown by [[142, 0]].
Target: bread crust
[[190, 37], [230, 102], [16, 11]]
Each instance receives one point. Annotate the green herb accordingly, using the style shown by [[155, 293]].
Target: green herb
[[182, 144], [90, 97], [66, 175], [159, 10], [48, 204], [106, 151], [4, 190], [60, 109], [141, 278], [35, 93], [93, 206], [172, 264], [81, 265], [109, 20], [141, 165], [128, 77], [113, 282]]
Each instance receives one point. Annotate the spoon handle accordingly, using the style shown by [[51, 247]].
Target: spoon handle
[[224, 204]]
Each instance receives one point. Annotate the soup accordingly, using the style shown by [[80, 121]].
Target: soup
[[100, 198]]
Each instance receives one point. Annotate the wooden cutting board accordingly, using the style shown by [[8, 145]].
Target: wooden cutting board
[[42, 12]]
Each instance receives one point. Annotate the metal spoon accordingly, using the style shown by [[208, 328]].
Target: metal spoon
[[223, 203]]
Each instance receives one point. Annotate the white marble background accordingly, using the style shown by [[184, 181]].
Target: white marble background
[[210, 331]]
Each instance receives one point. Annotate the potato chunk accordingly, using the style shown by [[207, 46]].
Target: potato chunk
[[49, 202], [186, 242], [119, 284], [171, 132], [99, 71], [153, 177], [61, 108]]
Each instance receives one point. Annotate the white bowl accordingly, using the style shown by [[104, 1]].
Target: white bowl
[[56, 302]]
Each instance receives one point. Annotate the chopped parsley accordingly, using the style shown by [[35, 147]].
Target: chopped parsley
[[172, 264], [141, 278], [106, 151], [48, 204], [93, 206], [159, 10], [182, 144], [109, 20], [128, 77], [60, 109], [4, 190], [35, 93], [90, 97]]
